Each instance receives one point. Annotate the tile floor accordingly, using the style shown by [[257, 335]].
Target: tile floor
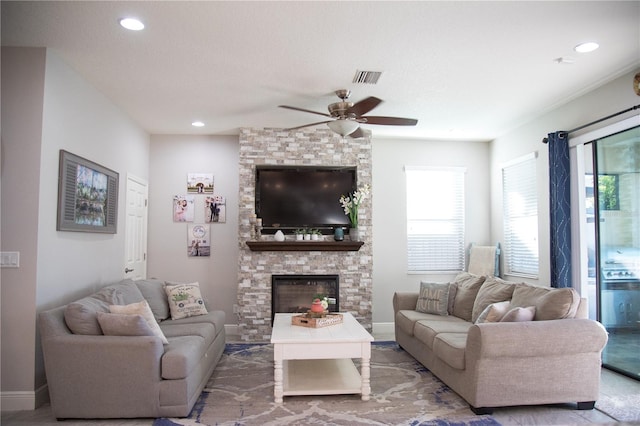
[[612, 384]]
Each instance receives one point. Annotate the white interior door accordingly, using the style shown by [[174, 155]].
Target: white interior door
[[136, 229]]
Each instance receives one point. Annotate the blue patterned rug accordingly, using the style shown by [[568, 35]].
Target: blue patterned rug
[[403, 392]]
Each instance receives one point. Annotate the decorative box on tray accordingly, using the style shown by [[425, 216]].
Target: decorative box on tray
[[316, 321]]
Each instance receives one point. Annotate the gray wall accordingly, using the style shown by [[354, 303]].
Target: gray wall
[[47, 106], [172, 157]]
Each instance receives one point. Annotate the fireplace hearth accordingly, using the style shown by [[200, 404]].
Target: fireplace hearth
[[294, 293]]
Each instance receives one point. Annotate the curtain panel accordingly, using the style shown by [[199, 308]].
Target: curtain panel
[[560, 209]]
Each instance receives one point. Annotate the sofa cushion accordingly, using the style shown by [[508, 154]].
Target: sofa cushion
[[492, 290], [80, 316], [123, 325], [181, 356], [141, 308], [426, 330], [124, 293], [433, 298], [406, 319], [450, 348], [453, 290], [468, 287], [215, 318], [494, 312], [184, 300], [550, 303], [519, 314], [154, 294]]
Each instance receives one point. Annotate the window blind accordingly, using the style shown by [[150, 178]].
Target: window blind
[[520, 210], [435, 219]]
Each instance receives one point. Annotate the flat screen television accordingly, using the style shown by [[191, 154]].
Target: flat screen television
[[295, 197]]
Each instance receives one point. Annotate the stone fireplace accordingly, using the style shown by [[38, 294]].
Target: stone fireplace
[[255, 268]]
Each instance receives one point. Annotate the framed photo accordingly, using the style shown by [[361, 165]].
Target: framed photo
[[198, 242], [200, 183], [215, 209], [183, 208], [87, 196]]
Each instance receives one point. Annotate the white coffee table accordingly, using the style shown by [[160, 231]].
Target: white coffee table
[[318, 361]]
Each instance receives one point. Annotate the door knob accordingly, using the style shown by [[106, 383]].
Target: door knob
[[127, 270]]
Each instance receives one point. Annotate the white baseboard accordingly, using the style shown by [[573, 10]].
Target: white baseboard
[[384, 328], [24, 400]]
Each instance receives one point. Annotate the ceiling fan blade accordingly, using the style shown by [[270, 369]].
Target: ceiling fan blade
[[364, 106], [304, 110], [308, 125], [390, 121]]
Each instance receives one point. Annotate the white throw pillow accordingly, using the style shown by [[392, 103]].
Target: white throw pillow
[[141, 308], [520, 314], [185, 300], [494, 312], [124, 325]]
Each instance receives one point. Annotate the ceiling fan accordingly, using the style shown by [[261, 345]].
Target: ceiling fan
[[346, 117]]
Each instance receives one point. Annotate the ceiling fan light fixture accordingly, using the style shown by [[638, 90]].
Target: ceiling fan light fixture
[[343, 127]]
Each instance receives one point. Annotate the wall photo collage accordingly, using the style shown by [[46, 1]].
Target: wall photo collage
[[200, 196]]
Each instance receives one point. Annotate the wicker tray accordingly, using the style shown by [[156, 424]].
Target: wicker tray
[[305, 320]]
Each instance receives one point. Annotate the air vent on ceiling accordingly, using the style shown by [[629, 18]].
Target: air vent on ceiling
[[367, 77]]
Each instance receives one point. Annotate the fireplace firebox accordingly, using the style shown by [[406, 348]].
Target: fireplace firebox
[[294, 293]]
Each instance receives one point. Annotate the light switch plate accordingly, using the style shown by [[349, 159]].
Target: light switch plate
[[10, 259]]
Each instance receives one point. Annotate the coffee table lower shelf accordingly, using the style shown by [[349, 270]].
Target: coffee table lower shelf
[[320, 377]]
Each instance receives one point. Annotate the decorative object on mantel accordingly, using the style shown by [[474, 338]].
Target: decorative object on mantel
[[338, 234], [350, 205], [278, 236]]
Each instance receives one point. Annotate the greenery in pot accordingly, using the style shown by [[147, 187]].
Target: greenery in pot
[[351, 204]]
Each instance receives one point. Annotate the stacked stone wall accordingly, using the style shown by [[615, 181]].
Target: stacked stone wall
[[302, 147]]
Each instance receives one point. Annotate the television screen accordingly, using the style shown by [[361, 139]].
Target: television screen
[[296, 197]]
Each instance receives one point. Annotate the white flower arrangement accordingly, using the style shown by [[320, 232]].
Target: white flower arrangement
[[351, 204]]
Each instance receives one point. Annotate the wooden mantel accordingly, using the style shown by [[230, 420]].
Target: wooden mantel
[[304, 245]]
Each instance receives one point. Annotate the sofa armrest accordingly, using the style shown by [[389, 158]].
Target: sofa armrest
[[404, 301], [535, 338], [122, 371]]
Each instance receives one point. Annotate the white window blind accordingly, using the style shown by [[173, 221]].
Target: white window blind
[[435, 219], [520, 209]]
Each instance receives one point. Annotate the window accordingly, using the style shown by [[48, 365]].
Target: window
[[520, 205], [435, 219]]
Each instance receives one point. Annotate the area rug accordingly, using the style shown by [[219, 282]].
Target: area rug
[[403, 392]]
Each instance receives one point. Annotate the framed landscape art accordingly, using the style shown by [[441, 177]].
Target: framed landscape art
[[87, 196]]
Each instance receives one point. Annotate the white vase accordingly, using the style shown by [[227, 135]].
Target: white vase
[[354, 235], [314, 237], [279, 236], [299, 237]]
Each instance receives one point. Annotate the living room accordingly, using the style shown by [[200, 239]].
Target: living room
[[47, 105]]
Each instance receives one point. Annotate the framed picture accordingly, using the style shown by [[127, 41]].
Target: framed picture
[[87, 196], [183, 209], [200, 183], [215, 209], [198, 242]]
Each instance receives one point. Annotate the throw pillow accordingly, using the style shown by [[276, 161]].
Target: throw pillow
[[520, 314], [468, 287], [141, 308], [453, 290], [550, 303], [494, 312], [80, 316], [184, 300], [433, 298], [154, 294], [492, 290], [123, 325]]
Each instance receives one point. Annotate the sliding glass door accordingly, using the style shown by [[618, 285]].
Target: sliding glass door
[[613, 202]]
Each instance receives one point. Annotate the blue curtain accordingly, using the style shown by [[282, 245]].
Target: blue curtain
[[560, 209]]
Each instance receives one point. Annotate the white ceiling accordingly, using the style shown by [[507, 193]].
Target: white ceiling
[[465, 70]]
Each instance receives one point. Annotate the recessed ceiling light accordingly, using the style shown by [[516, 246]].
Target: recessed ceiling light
[[132, 24], [587, 47], [197, 124]]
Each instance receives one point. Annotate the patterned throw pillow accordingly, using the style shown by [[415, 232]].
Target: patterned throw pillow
[[433, 298], [185, 300]]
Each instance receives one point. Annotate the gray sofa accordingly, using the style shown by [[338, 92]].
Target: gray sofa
[[549, 352], [125, 370]]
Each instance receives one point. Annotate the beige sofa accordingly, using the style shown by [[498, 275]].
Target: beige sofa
[[554, 358], [101, 364]]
